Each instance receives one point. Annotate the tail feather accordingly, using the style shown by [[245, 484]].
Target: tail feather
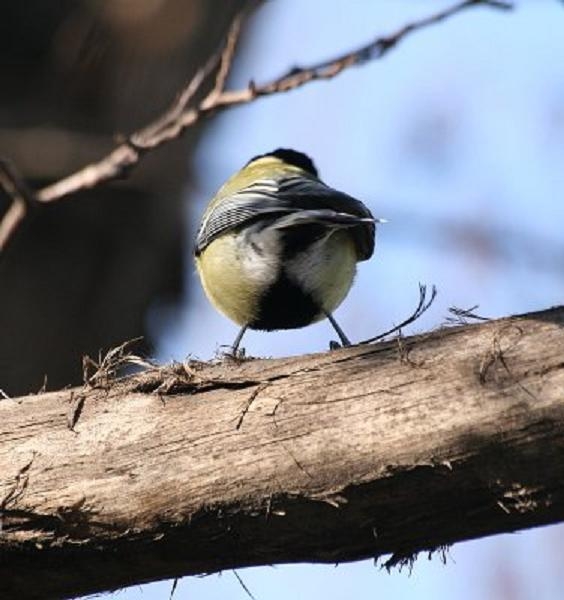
[[326, 217]]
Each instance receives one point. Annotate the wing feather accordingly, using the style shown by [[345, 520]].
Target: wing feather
[[294, 196]]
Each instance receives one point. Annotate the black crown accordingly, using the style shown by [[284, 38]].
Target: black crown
[[292, 157]]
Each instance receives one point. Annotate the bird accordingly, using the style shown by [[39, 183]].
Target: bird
[[277, 248]]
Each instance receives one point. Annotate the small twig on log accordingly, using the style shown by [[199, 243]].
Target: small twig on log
[[422, 307], [99, 373], [181, 115], [461, 316]]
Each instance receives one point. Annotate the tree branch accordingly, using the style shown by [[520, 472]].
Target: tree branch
[[367, 451], [22, 199], [185, 113]]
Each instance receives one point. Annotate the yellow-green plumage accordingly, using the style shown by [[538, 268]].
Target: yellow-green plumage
[[264, 167], [277, 249], [220, 271]]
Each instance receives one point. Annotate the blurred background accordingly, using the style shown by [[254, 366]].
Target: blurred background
[[456, 137]]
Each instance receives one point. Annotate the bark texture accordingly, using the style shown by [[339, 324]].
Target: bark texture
[[362, 452]]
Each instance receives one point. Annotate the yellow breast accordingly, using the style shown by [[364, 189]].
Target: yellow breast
[[228, 288], [237, 280]]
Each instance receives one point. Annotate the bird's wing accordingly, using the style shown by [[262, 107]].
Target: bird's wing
[[252, 202], [296, 200], [313, 195]]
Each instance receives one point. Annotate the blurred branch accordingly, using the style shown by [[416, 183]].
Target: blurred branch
[[21, 200], [185, 113]]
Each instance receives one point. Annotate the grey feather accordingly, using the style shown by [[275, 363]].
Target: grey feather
[[324, 216], [296, 201]]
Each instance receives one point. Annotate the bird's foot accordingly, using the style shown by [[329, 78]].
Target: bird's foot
[[233, 354]]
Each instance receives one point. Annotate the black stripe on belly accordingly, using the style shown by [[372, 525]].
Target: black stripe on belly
[[285, 306]]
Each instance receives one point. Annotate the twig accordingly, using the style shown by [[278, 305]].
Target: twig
[[422, 307], [226, 58], [173, 589], [181, 115], [299, 76], [242, 584], [146, 137], [22, 199], [461, 316], [168, 126], [99, 373]]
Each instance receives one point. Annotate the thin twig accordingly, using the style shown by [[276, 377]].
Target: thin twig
[[173, 589], [129, 152], [422, 307], [111, 166], [145, 138], [461, 316], [10, 222], [22, 199], [180, 116], [242, 583], [14, 185], [99, 373], [227, 58], [299, 76]]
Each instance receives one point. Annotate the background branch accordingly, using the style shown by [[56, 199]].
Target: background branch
[[181, 116], [369, 451], [21, 200]]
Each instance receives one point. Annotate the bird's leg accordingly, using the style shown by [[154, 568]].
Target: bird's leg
[[344, 339], [235, 346]]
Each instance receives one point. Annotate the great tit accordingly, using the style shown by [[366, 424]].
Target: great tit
[[277, 248]]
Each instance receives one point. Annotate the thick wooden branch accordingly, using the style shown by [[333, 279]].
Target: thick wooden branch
[[361, 452]]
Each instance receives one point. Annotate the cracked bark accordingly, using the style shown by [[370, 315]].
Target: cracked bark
[[367, 451]]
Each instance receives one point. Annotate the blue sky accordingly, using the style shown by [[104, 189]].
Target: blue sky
[[457, 138]]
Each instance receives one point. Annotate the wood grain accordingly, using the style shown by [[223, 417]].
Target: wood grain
[[368, 451]]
